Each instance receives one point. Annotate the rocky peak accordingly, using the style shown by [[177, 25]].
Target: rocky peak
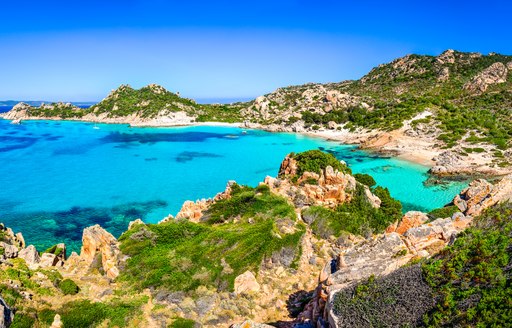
[[447, 57], [157, 89], [115, 93]]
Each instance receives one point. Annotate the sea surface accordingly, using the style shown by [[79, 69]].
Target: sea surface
[[57, 178]]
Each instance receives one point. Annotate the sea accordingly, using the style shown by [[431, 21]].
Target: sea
[[58, 177]]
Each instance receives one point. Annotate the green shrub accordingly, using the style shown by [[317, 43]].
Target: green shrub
[[22, 320], [471, 279], [247, 202], [85, 314], [68, 287], [315, 161], [444, 212], [184, 255], [365, 179], [182, 323]]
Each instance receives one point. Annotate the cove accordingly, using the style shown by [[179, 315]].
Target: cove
[[58, 177]]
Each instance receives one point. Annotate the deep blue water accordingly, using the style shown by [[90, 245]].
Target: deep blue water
[[58, 177]]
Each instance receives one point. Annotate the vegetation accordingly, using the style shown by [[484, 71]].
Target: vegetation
[[315, 161], [365, 179], [69, 287], [246, 202], [398, 300], [182, 323], [181, 255], [468, 284], [443, 212], [356, 217], [89, 314], [471, 279], [55, 249]]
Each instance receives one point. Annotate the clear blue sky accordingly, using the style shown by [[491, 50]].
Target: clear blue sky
[[80, 50]]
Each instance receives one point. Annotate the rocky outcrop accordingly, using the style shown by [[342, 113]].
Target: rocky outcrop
[[494, 74], [410, 220], [246, 283], [412, 237], [30, 255], [6, 314], [480, 195], [329, 188], [194, 211], [100, 245]]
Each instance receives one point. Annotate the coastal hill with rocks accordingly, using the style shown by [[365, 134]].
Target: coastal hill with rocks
[[315, 246], [451, 112]]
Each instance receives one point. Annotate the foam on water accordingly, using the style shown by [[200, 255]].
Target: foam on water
[[58, 177]]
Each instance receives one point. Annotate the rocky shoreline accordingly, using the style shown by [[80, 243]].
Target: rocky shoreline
[[399, 143], [334, 263]]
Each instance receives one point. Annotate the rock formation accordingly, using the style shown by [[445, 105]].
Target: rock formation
[[99, 245], [6, 314], [329, 188], [494, 74], [412, 237]]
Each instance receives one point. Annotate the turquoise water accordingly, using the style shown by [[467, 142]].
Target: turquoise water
[[58, 177]]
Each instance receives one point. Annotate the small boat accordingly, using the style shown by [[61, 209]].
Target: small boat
[[244, 132], [95, 127]]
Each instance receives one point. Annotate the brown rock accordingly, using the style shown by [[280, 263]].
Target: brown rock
[[246, 283], [494, 74], [411, 219], [97, 242]]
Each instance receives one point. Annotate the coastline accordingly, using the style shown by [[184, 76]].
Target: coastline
[[417, 150], [344, 136]]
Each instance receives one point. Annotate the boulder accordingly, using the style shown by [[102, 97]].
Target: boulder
[[30, 255], [410, 220], [48, 260], [10, 251], [480, 195], [135, 223], [6, 314], [246, 283], [98, 243], [57, 323]]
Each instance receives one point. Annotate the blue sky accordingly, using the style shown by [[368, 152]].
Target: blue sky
[[79, 51]]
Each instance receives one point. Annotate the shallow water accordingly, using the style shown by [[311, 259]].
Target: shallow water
[[58, 177]]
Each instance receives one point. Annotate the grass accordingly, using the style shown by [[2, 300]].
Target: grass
[[246, 202], [85, 314], [182, 255]]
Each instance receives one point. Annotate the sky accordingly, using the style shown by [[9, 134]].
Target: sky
[[80, 50]]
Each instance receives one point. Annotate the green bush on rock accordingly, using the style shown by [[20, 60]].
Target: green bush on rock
[[68, 287], [316, 161]]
